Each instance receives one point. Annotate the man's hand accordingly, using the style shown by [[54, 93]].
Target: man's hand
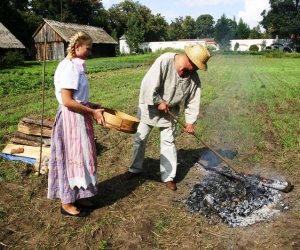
[[163, 107], [190, 128]]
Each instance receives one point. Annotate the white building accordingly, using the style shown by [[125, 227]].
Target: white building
[[243, 44], [124, 48], [180, 44]]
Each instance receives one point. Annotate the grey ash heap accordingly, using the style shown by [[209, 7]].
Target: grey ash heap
[[235, 199]]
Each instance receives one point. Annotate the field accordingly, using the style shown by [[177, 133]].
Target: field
[[250, 104]]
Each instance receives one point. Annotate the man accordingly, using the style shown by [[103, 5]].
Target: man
[[171, 80]]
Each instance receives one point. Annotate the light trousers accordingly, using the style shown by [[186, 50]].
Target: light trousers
[[168, 154]]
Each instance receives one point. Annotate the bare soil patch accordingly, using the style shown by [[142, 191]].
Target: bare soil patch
[[137, 214]]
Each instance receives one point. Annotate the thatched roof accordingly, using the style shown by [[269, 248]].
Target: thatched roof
[[8, 40], [66, 30]]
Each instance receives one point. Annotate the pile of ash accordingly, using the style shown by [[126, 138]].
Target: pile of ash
[[238, 200]]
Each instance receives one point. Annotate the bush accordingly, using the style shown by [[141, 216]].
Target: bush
[[147, 50], [280, 54], [12, 58], [236, 46], [253, 47], [211, 48]]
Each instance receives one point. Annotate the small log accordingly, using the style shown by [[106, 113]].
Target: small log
[[24, 142], [33, 138], [33, 129], [18, 150], [46, 122]]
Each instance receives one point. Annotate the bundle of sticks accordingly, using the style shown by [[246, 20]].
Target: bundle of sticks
[[27, 142], [29, 132]]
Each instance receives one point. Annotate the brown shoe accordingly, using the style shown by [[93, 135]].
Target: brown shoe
[[171, 185], [129, 175]]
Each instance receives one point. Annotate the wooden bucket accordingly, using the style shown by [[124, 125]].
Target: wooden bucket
[[120, 121]]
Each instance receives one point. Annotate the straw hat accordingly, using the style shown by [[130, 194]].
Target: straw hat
[[198, 54]]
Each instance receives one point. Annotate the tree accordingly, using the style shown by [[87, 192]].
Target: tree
[[117, 16], [255, 33], [89, 12], [19, 20], [225, 30], [122, 19], [154, 25], [189, 27], [135, 32], [157, 29], [243, 30], [175, 30], [283, 18], [205, 26], [22, 17]]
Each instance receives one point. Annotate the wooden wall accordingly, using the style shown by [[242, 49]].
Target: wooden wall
[[52, 36], [56, 47], [54, 51]]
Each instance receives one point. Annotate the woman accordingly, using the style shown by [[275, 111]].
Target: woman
[[72, 172]]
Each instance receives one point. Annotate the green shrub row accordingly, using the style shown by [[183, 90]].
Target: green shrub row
[[11, 58], [266, 53]]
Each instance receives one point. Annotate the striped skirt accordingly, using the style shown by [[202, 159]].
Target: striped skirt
[[58, 183]]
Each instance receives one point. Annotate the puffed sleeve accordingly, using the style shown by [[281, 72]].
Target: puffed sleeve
[[67, 75]]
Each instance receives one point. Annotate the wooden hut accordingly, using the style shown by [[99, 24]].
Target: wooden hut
[[8, 41], [57, 35]]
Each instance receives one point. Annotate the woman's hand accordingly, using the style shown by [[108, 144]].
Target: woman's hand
[[98, 116], [190, 128], [163, 107]]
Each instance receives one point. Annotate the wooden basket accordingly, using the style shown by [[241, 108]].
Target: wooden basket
[[120, 121]]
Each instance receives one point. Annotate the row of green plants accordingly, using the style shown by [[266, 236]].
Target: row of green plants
[[12, 58], [29, 76], [272, 82], [265, 53]]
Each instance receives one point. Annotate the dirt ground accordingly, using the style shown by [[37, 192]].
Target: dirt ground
[[137, 214], [142, 213]]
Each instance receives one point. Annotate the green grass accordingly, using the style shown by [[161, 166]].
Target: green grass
[[28, 78], [9, 174], [160, 224], [248, 102], [103, 245], [233, 89], [277, 86], [2, 213], [242, 84]]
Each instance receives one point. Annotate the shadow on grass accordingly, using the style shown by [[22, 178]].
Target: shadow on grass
[[186, 160], [117, 188]]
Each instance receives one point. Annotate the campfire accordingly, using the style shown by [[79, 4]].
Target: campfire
[[236, 199]]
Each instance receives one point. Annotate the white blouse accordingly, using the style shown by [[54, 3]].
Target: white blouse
[[68, 75]]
